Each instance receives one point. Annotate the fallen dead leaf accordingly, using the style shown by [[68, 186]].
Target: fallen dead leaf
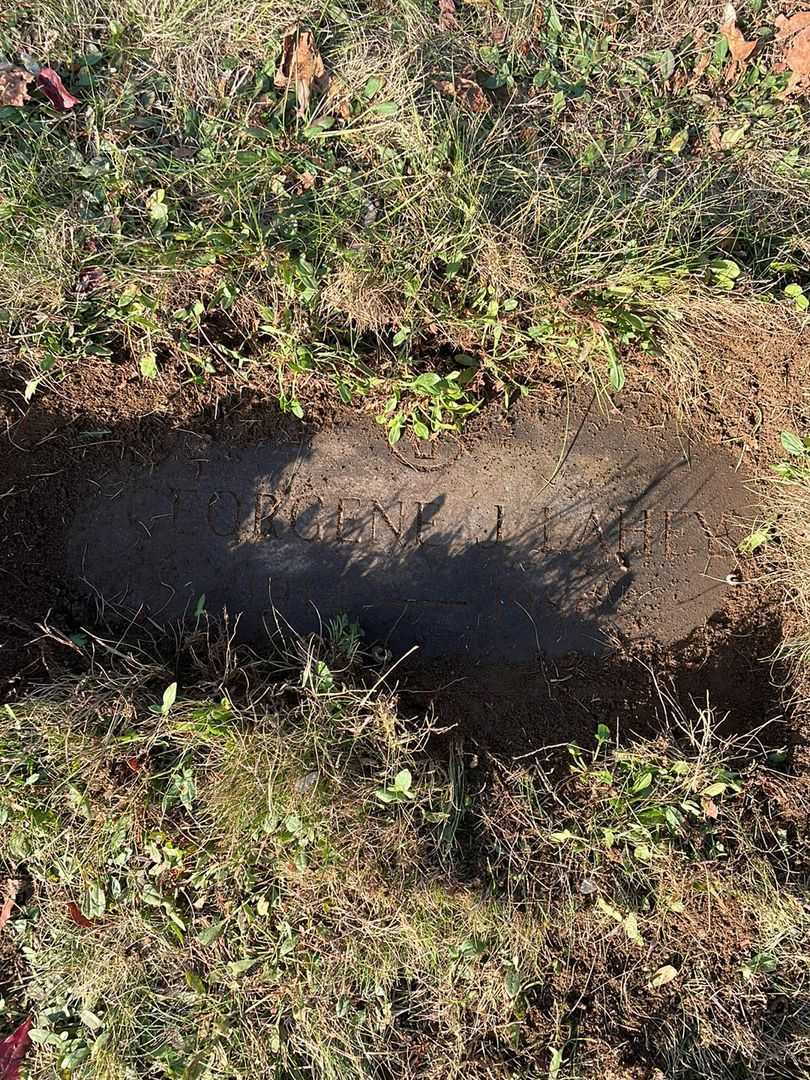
[[10, 890], [14, 87], [301, 66], [12, 1051], [709, 808], [90, 279], [788, 26], [738, 47], [467, 92], [794, 33], [54, 90], [703, 62], [447, 15], [80, 920]]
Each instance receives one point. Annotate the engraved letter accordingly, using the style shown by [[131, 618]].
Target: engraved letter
[[267, 506], [377, 508], [425, 516], [223, 513], [308, 514], [643, 530], [340, 529], [177, 500], [714, 545]]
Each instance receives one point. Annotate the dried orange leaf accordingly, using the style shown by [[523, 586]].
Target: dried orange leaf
[[703, 62], [787, 27], [467, 92], [709, 807], [797, 57], [9, 898], [794, 33], [739, 48], [14, 87], [301, 67], [76, 915]]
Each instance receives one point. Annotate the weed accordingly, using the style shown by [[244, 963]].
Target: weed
[[413, 253], [273, 883]]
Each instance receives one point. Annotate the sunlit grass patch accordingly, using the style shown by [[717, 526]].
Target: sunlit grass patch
[[522, 193], [282, 879]]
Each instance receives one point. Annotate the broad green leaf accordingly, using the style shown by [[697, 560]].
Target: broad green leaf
[[732, 136], [395, 429], [726, 268], [239, 967], [372, 87], [90, 1020], [95, 903], [194, 982], [616, 373], [630, 924], [756, 539], [169, 698], [679, 141], [314, 130], [512, 983], [792, 443], [608, 909], [642, 783], [147, 365], [555, 1063], [714, 789], [212, 933], [403, 781], [385, 108], [158, 211]]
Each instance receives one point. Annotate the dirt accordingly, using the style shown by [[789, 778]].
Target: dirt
[[95, 423], [748, 381], [517, 545]]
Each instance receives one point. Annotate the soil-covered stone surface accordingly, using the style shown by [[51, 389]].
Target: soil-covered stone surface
[[539, 564], [519, 544]]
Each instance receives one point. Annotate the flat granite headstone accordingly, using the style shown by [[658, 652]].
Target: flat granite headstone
[[499, 550]]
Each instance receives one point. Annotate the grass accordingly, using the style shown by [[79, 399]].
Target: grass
[[230, 866], [411, 249], [270, 871], [784, 528]]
